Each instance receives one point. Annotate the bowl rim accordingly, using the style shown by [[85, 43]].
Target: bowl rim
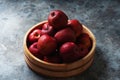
[[57, 64]]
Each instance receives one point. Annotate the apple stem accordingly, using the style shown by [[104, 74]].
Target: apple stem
[[52, 14]]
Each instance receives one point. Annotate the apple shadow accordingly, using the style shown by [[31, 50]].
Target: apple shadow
[[99, 67]]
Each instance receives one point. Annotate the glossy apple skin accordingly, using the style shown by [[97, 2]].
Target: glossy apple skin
[[85, 40], [83, 50], [34, 35], [47, 29], [58, 19], [34, 50], [65, 35], [76, 26], [69, 52], [46, 45]]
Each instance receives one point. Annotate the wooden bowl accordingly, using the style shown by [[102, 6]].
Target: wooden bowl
[[58, 70]]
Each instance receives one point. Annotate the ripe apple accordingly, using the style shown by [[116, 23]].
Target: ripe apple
[[76, 26], [34, 35], [34, 50], [47, 29], [83, 50], [58, 19], [69, 52], [65, 35], [85, 40], [46, 44]]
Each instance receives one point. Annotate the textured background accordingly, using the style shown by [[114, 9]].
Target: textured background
[[101, 16]]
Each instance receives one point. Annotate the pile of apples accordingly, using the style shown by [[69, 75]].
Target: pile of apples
[[59, 40]]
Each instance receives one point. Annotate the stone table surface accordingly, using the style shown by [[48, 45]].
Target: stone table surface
[[101, 16]]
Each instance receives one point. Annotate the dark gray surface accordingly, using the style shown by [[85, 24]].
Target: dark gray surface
[[101, 16]]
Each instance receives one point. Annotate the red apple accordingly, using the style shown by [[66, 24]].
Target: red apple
[[76, 26], [53, 59], [85, 40], [58, 19], [69, 52], [34, 35], [65, 35], [83, 50], [47, 29], [46, 44], [34, 50]]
